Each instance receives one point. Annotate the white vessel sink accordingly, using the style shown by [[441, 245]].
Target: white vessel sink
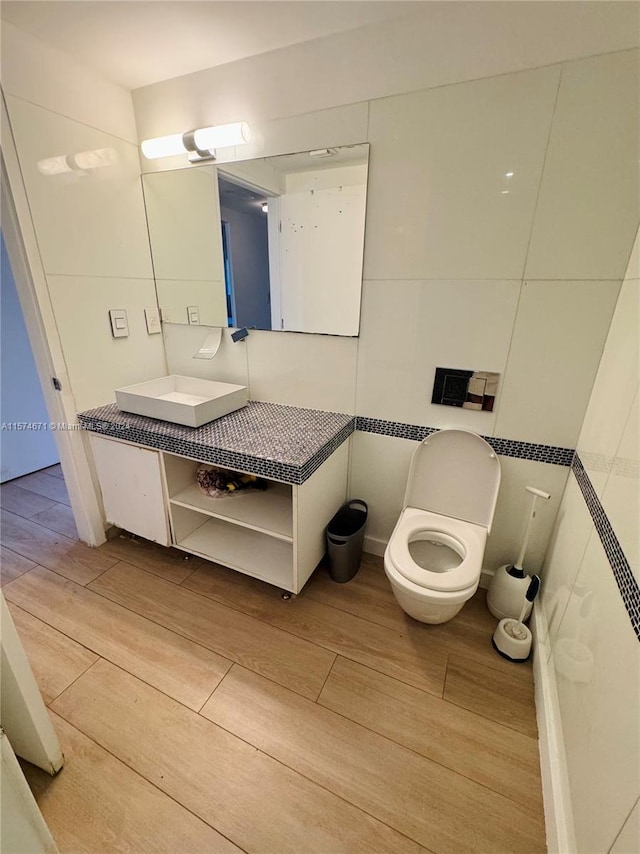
[[182, 400]]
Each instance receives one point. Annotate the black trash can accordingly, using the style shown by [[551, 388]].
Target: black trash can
[[345, 537]]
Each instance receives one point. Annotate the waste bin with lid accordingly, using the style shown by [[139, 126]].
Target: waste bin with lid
[[345, 537]]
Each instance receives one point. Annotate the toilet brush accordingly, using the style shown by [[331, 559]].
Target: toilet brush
[[512, 639], [507, 588]]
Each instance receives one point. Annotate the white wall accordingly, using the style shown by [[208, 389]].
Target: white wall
[[591, 645], [463, 266], [90, 228], [443, 43]]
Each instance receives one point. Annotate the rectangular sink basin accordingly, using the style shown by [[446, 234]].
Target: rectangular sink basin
[[182, 400]]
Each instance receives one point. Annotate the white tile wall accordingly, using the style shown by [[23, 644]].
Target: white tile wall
[[621, 495], [319, 129], [183, 210], [512, 512], [627, 840], [87, 224], [379, 470], [230, 364], [409, 328], [81, 306], [589, 204], [558, 338], [439, 45], [317, 371], [440, 204], [614, 388], [567, 545], [175, 295], [597, 664], [43, 75], [593, 644]]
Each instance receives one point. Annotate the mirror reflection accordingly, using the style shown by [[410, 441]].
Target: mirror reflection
[[271, 243]]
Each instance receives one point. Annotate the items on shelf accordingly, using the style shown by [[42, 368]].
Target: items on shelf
[[221, 483]]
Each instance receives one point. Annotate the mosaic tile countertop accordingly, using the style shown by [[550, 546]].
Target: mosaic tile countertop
[[284, 443]]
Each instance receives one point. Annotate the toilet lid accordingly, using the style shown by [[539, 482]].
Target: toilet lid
[[455, 473]]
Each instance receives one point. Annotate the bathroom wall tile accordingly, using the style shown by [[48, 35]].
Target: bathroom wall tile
[[181, 342], [572, 530], [81, 306], [512, 512], [88, 224], [621, 494], [440, 202], [379, 471], [558, 338], [319, 129], [175, 295], [316, 371], [39, 73], [633, 268], [596, 657], [614, 388], [589, 205], [409, 328], [183, 213], [627, 839]]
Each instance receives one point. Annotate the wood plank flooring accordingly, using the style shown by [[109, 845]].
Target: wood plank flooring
[[199, 713]]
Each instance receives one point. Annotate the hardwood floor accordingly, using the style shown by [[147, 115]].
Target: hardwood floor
[[199, 713]]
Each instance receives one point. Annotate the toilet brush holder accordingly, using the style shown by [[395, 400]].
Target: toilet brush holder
[[512, 639]]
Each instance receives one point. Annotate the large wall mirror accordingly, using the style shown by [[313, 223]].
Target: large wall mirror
[[272, 243]]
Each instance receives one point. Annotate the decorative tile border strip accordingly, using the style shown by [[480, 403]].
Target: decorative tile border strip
[[504, 447], [626, 581]]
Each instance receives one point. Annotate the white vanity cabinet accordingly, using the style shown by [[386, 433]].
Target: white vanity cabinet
[[147, 473], [132, 488], [276, 535]]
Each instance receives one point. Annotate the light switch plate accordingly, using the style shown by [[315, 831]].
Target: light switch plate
[[152, 318], [193, 314], [119, 323]]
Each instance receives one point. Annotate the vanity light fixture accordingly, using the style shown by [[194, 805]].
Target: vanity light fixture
[[199, 144]]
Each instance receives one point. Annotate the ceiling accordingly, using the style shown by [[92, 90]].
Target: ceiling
[[138, 42]]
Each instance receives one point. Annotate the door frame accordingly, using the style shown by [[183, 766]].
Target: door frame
[[33, 293]]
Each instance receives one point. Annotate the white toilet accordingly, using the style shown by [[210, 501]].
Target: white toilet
[[434, 557]]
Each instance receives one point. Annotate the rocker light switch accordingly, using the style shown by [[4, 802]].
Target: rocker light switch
[[119, 323]]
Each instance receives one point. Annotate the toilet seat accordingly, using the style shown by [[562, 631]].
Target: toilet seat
[[465, 538]]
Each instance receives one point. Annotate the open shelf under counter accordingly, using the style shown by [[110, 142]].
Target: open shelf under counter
[[268, 511], [249, 551]]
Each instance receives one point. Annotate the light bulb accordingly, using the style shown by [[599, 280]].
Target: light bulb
[[163, 146], [222, 136]]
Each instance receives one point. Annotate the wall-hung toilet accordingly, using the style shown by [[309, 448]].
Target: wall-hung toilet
[[434, 557]]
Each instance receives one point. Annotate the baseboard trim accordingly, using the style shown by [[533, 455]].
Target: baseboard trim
[[553, 767], [374, 546]]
